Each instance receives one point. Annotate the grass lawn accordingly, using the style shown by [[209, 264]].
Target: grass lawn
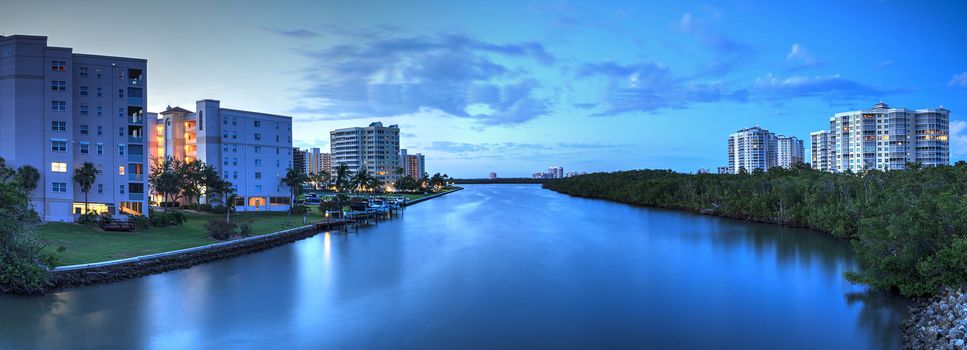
[[86, 244]]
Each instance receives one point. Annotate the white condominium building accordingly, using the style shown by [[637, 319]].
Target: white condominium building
[[60, 109], [752, 148], [819, 149], [318, 162], [791, 151], [887, 138], [555, 172], [251, 150], [375, 148]]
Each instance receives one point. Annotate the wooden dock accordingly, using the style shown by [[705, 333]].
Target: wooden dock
[[354, 219]]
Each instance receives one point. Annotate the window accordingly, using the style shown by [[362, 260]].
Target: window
[[58, 66], [58, 187], [100, 188], [235, 161], [235, 175], [258, 175], [201, 120], [258, 188], [83, 91], [85, 148], [122, 189], [121, 93], [58, 167], [85, 130], [121, 150], [121, 113], [58, 145], [258, 136], [277, 150], [83, 110], [258, 149], [100, 92], [100, 130], [258, 162], [276, 138], [58, 126], [121, 170], [100, 111], [84, 72], [121, 131], [99, 149], [97, 73], [58, 106], [58, 85], [258, 123]]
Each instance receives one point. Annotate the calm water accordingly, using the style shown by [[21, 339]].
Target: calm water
[[493, 266]]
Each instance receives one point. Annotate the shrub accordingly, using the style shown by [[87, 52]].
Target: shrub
[[204, 207], [89, 219], [141, 222], [220, 209], [172, 218], [299, 209], [245, 228], [220, 229]]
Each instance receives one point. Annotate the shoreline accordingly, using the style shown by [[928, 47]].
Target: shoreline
[[919, 330], [103, 272]]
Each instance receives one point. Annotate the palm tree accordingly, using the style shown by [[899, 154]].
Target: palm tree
[[342, 177], [85, 177], [294, 179], [27, 178], [361, 180], [230, 197]]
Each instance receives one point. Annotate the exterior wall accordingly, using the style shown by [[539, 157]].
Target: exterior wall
[[251, 150], [102, 115], [413, 166], [375, 148], [299, 160], [752, 148], [887, 138], [790, 152], [819, 150]]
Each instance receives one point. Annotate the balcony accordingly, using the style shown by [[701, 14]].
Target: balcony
[[136, 177], [135, 120], [136, 196], [135, 139], [135, 157], [137, 101]]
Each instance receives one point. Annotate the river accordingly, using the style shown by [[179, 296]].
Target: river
[[492, 266]]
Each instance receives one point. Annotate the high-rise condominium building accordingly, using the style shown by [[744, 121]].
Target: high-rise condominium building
[[59, 110], [300, 160], [414, 165], [493, 175], [790, 152], [752, 148], [318, 162], [375, 148], [887, 138], [819, 149], [251, 150], [555, 172]]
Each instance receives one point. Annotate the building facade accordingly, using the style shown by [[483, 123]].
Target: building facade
[[249, 149], [413, 164], [60, 109], [752, 148], [555, 172], [493, 175], [318, 162], [819, 150], [375, 148], [790, 151], [300, 160], [887, 138]]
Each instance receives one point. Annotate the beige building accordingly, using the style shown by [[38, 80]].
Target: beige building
[[375, 148]]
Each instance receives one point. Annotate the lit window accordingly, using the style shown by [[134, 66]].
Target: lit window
[[58, 66], [58, 167], [121, 170]]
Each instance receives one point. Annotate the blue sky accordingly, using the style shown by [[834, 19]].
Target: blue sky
[[517, 86]]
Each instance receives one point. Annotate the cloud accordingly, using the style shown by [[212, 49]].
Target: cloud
[[648, 87], [700, 29], [389, 76], [958, 80], [501, 150], [958, 137], [799, 57], [295, 33], [831, 88], [884, 64]]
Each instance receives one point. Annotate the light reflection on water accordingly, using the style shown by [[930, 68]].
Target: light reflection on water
[[492, 266]]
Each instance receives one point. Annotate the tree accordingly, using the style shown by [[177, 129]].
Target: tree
[[23, 265], [294, 179], [164, 180], [85, 177], [361, 181], [191, 177], [27, 178], [342, 178]]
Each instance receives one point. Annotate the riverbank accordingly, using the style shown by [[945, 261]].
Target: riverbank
[[938, 323]]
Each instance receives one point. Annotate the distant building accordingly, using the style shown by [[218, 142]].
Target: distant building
[[752, 148], [819, 150], [790, 152], [703, 171], [414, 165], [299, 160], [60, 109], [555, 172], [318, 162], [539, 176], [886, 138], [723, 170], [493, 175], [575, 173], [375, 148], [252, 150]]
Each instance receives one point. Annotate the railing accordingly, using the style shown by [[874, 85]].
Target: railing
[[136, 196], [136, 177], [135, 119], [136, 81], [135, 139], [135, 157], [136, 101]]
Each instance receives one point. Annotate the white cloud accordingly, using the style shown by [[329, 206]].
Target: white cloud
[[958, 139], [959, 80], [800, 56]]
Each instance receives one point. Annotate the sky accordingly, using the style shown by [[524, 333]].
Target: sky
[[514, 87]]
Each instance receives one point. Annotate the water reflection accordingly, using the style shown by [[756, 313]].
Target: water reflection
[[491, 267]]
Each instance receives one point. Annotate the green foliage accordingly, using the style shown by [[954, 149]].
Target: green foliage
[[141, 222], [172, 218], [23, 267], [245, 228], [89, 219], [907, 227], [220, 229]]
